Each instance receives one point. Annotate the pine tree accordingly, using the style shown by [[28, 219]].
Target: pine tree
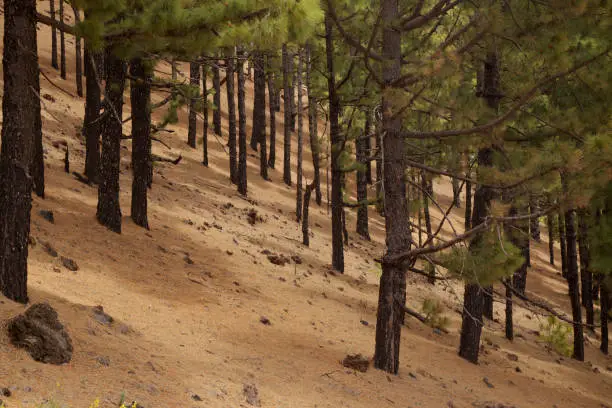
[[361, 151], [91, 123], [62, 42], [258, 136], [300, 141], [242, 132], [205, 116], [312, 127], [78, 56], [194, 80], [109, 209], [287, 69], [562, 244], [54, 62], [272, 113], [551, 240], [21, 123], [231, 109], [217, 98], [140, 88]]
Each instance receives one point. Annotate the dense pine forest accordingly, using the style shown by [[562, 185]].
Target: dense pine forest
[[306, 203]]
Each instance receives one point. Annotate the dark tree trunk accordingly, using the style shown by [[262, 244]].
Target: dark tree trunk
[[337, 143], [287, 68], [604, 311], [380, 190], [312, 129], [91, 124], [205, 116], [305, 232], [535, 222], [292, 98], [487, 310], [519, 236], [586, 275], [231, 109], [140, 97], [194, 80], [242, 136], [473, 299], [22, 123], [109, 210], [563, 245], [259, 113], [54, 62], [468, 204], [361, 150], [217, 98], [79, 59], [392, 292], [572, 282], [272, 112], [551, 239], [37, 167], [62, 42], [509, 322], [425, 191], [368, 144], [300, 139], [259, 102]]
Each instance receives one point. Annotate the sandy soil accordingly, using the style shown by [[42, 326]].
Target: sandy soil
[[188, 295]]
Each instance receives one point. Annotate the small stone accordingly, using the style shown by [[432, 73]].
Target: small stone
[[265, 321], [27, 388], [297, 259], [487, 382], [512, 357], [252, 394], [518, 369], [31, 241], [364, 322], [412, 375], [47, 215], [196, 397], [596, 370], [5, 392], [49, 249], [101, 316], [188, 260], [69, 264], [230, 253], [103, 360]]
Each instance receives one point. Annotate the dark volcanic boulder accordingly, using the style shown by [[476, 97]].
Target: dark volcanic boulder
[[39, 331]]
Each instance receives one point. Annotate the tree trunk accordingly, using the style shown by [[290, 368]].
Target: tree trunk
[[572, 282], [194, 80], [519, 236], [140, 98], [535, 222], [242, 136], [287, 69], [79, 59], [337, 143], [551, 239], [604, 311], [292, 98], [473, 299], [109, 210], [468, 204], [563, 245], [62, 42], [312, 129], [92, 121], [272, 113], [361, 150], [380, 190], [258, 136], [231, 109], [392, 292], [456, 183], [586, 276], [205, 116], [300, 137], [54, 62], [305, 221], [22, 123], [217, 98]]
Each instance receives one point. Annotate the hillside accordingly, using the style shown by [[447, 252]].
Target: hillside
[[189, 297]]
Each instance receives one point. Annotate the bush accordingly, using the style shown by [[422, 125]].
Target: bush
[[433, 311], [557, 335]]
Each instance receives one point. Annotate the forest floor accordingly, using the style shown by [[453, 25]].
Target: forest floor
[[188, 297]]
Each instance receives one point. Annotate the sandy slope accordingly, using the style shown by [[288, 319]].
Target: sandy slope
[[193, 327]]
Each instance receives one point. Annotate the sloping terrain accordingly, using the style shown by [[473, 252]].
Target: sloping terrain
[[199, 311]]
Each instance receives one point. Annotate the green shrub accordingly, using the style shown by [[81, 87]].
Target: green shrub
[[557, 335], [433, 311]]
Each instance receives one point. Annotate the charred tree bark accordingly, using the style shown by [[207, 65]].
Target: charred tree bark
[[604, 314], [392, 292], [509, 321], [361, 150], [473, 299], [305, 220], [456, 192], [380, 191], [315, 147], [62, 42], [337, 143], [287, 68], [140, 97], [272, 112], [231, 109], [300, 137], [109, 210], [242, 136], [22, 122], [194, 80], [91, 123], [586, 275], [551, 239], [205, 116], [259, 113], [79, 59], [535, 222], [572, 282], [519, 236], [54, 62], [468, 205], [217, 98], [563, 245], [292, 97]]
